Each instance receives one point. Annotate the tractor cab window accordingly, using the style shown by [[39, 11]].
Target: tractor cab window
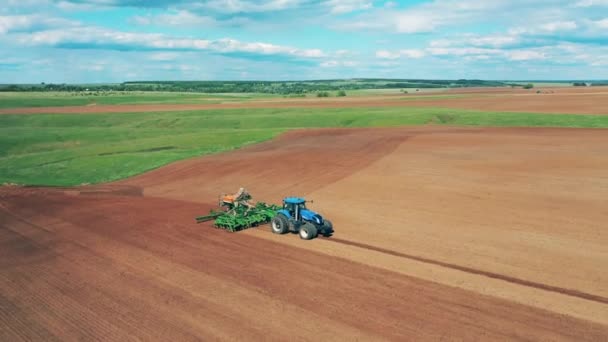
[[291, 207]]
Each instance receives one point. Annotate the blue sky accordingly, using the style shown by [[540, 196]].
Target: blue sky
[[85, 41]]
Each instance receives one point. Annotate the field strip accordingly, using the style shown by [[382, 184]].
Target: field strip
[[509, 103], [539, 297]]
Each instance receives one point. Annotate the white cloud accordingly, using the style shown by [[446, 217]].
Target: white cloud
[[183, 18], [467, 53], [334, 64], [231, 45], [178, 18], [478, 57], [495, 41], [428, 17], [329, 64], [393, 21], [590, 3], [16, 23], [554, 16], [461, 51], [525, 55], [77, 6], [236, 6], [600, 24], [547, 28], [384, 54], [441, 42], [48, 6], [551, 33], [559, 26], [347, 6], [240, 6], [414, 23], [222, 6], [109, 39], [412, 53], [593, 56], [10, 23], [407, 53]]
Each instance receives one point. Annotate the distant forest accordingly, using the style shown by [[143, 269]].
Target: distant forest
[[267, 87]]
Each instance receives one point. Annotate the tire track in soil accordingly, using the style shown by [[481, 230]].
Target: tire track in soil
[[513, 280], [503, 277]]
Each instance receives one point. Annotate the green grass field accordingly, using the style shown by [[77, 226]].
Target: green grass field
[[62, 99], [72, 149]]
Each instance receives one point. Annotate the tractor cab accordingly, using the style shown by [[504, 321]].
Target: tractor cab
[[294, 206]]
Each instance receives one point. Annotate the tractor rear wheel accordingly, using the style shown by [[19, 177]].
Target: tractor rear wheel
[[279, 224], [308, 231]]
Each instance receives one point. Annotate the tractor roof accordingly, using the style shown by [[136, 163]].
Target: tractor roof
[[294, 200]]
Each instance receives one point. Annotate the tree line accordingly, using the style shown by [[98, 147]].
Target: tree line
[[268, 87]]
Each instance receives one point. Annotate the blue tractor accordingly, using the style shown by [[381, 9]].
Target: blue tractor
[[295, 217]]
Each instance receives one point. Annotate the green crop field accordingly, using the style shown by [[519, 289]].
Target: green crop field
[[395, 91], [72, 149]]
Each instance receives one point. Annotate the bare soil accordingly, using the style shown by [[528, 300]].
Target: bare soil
[[441, 233]]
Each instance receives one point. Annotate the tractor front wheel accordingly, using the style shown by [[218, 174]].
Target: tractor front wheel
[[328, 228], [308, 231], [279, 224]]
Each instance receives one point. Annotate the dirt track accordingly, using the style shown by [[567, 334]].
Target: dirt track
[[570, 100], [424, 218]]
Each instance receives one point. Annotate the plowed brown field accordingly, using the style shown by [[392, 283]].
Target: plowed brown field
[[441, 233], [568, 100]]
